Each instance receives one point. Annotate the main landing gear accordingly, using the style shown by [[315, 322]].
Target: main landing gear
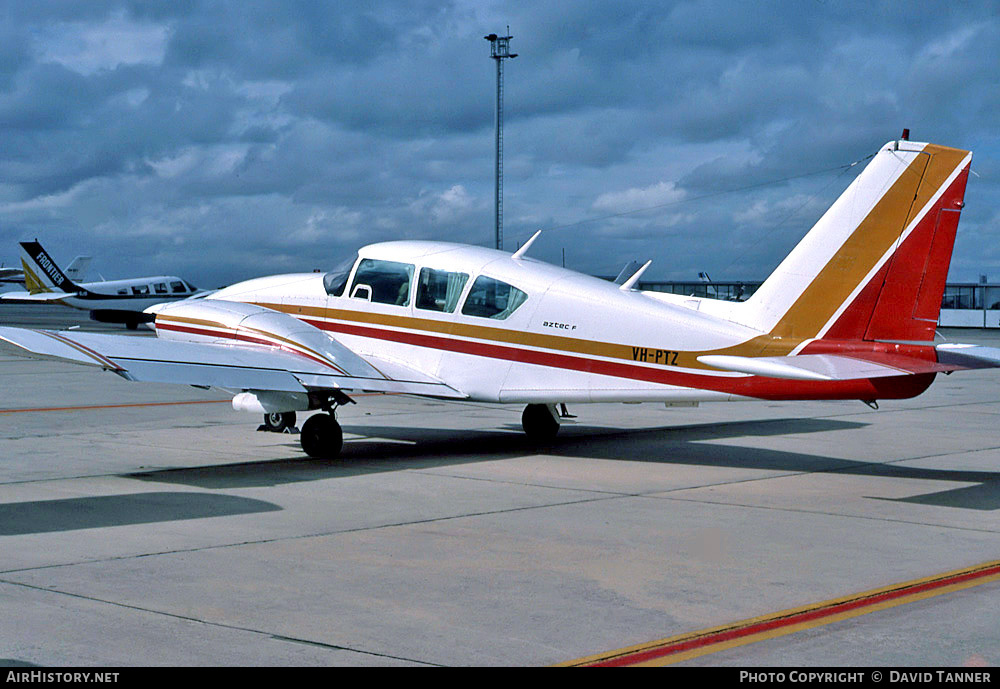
[[541, 421], [322, 437]]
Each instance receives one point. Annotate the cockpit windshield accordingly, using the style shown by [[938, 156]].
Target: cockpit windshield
[[336, 280]]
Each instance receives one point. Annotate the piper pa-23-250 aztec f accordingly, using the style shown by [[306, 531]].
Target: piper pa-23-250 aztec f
[[849, 314]]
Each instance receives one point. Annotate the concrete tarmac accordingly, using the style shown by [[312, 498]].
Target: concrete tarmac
[[152, 525]]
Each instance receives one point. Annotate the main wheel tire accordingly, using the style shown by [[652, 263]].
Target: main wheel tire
[[278, 421], [322, 437], [538, 423]]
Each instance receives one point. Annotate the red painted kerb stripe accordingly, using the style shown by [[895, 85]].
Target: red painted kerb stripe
[[796, 618]]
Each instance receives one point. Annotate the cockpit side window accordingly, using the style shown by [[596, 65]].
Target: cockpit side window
[[336, 280], [490, 298], [439, 290], [389, 281]]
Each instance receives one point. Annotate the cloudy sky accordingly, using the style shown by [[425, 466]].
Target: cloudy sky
[[225, 140]]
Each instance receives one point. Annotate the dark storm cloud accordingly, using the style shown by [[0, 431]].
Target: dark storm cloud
[[222, 140]]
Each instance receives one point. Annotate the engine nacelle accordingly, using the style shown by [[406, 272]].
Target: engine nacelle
[[237, 323], [270, 401]]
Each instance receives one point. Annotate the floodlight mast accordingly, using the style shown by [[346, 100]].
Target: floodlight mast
[[499, 50]]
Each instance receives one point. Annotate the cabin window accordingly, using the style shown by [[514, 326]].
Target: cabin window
[[389, 281], [177, 287], [439, 290], [160, 287], [335, 281], [491, 298], [123, 290], [140, 289]]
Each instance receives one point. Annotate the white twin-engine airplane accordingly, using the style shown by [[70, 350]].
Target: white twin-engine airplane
[[109, 301], [849, 314]]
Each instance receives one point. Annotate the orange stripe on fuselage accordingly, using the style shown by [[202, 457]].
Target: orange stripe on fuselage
[[560, 343]]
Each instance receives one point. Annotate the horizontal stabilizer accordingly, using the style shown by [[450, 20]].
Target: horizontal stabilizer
[[39, 296], [827, 366], [968, 355]]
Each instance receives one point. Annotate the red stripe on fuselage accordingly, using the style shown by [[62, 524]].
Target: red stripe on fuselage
[[901, 387]]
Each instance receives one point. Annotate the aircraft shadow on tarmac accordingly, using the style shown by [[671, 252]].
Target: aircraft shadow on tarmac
[[70, 514], [389, 448]]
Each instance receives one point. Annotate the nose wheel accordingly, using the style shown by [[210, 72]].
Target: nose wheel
[[277, 422], [322, 437]]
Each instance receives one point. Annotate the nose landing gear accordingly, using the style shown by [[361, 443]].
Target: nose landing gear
[[278, 422]]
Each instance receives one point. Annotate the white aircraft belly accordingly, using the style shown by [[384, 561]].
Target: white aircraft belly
[[531, 383]]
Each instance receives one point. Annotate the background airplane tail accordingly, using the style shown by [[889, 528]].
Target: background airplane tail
[[77, 269], [874, 266], [41, 273]]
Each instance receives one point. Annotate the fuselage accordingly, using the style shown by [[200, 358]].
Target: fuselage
[[134, 294], [557, 336]]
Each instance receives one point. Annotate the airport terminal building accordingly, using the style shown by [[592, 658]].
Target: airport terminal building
[[964, 305]]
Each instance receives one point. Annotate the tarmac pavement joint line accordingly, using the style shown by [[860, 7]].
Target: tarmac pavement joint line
[[220, 625], [694, 644]]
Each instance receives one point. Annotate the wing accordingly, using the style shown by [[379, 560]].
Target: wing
[[238, 365]]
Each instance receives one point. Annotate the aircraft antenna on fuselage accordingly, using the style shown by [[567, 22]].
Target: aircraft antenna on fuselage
[[523, 250], [630, 283]]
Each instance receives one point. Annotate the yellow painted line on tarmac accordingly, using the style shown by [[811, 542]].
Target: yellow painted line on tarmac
[[694, 644]]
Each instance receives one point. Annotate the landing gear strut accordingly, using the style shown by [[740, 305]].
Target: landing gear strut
[[322, 437], [539, 422]]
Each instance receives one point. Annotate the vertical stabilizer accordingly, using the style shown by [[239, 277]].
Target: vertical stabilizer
[[41, 273], [77, 269], [875, 264]]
